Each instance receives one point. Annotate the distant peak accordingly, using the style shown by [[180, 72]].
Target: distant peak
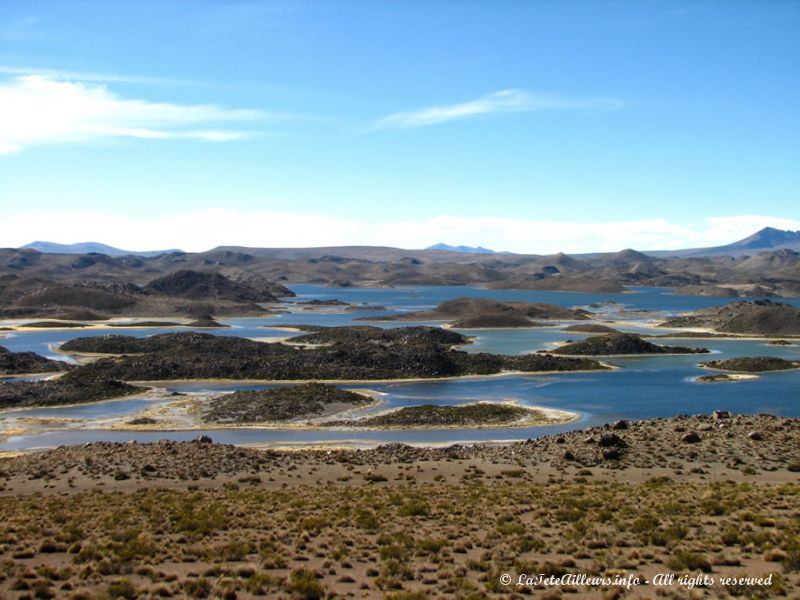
[[88, 248], [769, 237], [461, 249], [631, 254]]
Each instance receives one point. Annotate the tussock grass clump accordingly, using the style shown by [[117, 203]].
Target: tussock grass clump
[[398, 540]]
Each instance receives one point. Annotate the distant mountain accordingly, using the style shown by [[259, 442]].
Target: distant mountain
[[763, 240], [463, 249], [768, 238], [88, 247]]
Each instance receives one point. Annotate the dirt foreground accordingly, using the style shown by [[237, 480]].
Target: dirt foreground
[[605, 512]]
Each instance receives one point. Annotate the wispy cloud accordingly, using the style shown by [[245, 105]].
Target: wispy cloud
[[88, 76], [205, 228], [35, 109], [504, 101]]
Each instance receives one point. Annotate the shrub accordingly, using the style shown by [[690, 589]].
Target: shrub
[[304, 584], [684, 560], [122, 588], [414, 508]]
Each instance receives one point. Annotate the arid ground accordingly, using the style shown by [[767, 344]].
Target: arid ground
[[712, 496]]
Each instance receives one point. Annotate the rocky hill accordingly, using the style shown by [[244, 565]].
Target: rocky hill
[[282, 403], [752, 364], [184, 294], [64, 390], [760, 317], [196, 285], [482, 312], [16, 363], [621, 344]]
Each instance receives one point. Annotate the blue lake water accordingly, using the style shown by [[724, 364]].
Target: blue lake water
[[658, 386]]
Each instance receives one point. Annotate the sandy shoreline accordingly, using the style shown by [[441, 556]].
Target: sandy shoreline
[[367, 381], [756, 373], [723, 377]]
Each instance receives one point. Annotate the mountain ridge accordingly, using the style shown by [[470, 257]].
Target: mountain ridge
[[463, 249], [90, 248], [767, 238]]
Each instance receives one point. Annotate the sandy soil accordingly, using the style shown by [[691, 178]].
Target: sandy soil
[[198, 519]]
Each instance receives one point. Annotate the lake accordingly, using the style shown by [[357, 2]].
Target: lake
[[645, 387]]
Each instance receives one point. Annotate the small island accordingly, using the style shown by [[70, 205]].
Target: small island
[[725, 377], [283, 404], [589, 328], [61, 391], [26, 363], [366, 307], [54, 325], [752, 364], [471, 313], [481, 414], [202, 321], [494, 321], [620, 344], [759, 317]]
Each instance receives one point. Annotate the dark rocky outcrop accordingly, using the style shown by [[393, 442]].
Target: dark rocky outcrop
[[282, 404], [468, 312], [206, 322], [494, 321], [366, 307], [64, 390], [197, 285], [752, 364], [337, 353], [258, 282], [760, 317], [365, 334], [16, 363], [621, 344], [430, 415], [589, 328], [318, 302]]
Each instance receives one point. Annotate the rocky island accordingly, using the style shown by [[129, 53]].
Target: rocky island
[[620, 344], [334, 354], [64, 390], [24, 363], [752, 364], [482, 414], [283, 404], [759, 317], [589, 328], [470, 313]]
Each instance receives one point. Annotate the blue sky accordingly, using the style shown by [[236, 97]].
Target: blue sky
[[528, 126]]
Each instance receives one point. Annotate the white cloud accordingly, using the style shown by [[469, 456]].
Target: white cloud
[[204, 229], [504, 101], [66, 75], [35, 109]]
